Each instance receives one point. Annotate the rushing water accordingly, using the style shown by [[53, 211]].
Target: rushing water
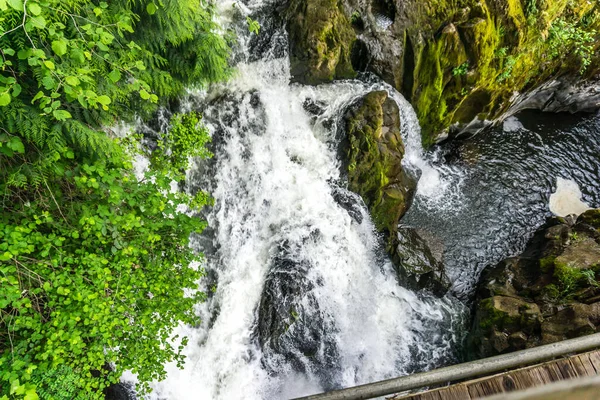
[[507, 175], [302, 296]]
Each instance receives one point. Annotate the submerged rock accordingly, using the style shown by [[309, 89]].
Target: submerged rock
[[291, 329], [549, 293]]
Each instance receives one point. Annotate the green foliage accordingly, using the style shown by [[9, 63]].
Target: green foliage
[[95, 269], [531, 11], [253, 26], [99, 277], [59, 384], [71, 67], [565, 36], [509, 63], [570, 279], [461, 69], [355, 17]]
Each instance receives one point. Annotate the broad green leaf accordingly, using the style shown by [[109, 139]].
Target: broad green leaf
[[16, 4], [72, 80], [34, 8], [8, 51], [16, 90], [38, 21], [49, 64], [16, 145], [4, 99], [151, 8], [59, 47], [114, 75], [104, 100], [144, 94], [31, 395], [61, 115], [3, 5]]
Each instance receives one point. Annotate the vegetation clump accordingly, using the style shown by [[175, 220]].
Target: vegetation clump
[[95, 269]]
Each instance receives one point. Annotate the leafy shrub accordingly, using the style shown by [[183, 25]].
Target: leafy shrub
[[461, 69], [95, 269], [565, 37]]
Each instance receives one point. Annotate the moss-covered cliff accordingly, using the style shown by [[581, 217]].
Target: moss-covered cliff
[[472, 56], [456, 61], [549, 293], [321, 39]]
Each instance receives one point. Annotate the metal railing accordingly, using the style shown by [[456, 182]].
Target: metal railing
[[463, 371]]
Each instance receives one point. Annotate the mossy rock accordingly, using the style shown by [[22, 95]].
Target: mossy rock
[[557, 276], [321, 39], [415, 264], [374, 154]]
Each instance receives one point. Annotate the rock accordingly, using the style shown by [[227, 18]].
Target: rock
[[415, 264], [549, 293], [321, 40], [374, 152], [120, 391], [373, 155], [463, 64], [290, 325]]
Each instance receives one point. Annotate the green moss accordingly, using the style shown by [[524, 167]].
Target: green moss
[[591, 217], [322, 38], [374, 166], [570, 279], [506, 53], [547, 264]]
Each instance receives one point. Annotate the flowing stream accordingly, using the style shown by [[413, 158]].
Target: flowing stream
[[302, 297]]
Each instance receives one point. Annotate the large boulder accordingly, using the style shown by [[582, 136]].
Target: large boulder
[[549, 293], [373, 156], [291, 329], [321, 41]]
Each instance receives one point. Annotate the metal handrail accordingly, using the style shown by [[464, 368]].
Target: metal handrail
[[462, 371]]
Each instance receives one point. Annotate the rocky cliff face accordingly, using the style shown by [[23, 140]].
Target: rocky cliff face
[[549, 293], [459, 63]]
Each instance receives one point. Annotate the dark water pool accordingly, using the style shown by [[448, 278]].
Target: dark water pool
[[507, 175]]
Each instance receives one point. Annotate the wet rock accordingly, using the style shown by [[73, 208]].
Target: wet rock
[[291, 329], [549, 293], [373, 155], [321, 40], [415, 264], [314, 108], [462, 65], [120, 391], [350, 202]]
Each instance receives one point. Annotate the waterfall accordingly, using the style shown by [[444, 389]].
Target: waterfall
[[302, 295]]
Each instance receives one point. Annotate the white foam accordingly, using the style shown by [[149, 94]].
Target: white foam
[[512, 124], [567, 199]]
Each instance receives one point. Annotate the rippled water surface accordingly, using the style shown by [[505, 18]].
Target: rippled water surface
[[503, 180]]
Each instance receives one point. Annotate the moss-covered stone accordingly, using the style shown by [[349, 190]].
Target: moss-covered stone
[[509, 48], [549, 293], [374, 155], [321, 40]]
